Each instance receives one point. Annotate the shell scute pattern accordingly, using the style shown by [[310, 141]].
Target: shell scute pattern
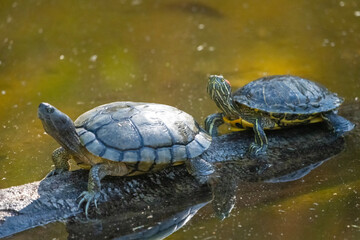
[[87, 116], [124, 113], [131, 156], [142, 134], [179, 151], [86, 136], [154, 132], [203, 139], [121, 135], [196, 147], [96, 147], [182, 126], [98, 121], [148, 153], [111, 153], [293, 95], [163, 155]]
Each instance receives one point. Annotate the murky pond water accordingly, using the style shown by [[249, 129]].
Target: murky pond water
[[80, 55]]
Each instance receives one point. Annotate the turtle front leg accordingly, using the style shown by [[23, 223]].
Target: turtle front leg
[[260, 145], [212, 122], [60, 159], [96, 174]]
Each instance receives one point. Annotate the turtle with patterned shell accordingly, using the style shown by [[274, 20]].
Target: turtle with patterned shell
[[273, 102], [125, 139]]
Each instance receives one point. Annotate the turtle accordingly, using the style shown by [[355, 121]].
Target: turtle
[[273, 102], [125, 139]]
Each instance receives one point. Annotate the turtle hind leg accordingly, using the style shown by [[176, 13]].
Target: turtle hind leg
[[96, 174], [339, 124], [212, 122], [200, 169]]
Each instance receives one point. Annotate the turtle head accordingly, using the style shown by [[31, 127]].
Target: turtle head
[[58, 125], [219, 90]]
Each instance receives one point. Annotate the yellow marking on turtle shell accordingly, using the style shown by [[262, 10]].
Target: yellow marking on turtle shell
[[311, 119], [247, 124], [295, 121]]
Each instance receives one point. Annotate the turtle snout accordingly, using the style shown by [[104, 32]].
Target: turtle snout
[[45, 109]]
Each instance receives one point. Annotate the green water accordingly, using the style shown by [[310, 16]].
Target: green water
[[80, 54]]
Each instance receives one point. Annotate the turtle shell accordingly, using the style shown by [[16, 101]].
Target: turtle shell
[[287, 94], [130, 132]]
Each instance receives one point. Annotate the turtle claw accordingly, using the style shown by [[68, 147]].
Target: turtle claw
[[259, 154], [89, 197], [55, 172], [256, 150]]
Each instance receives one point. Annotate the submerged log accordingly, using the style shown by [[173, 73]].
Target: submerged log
[[136, 204]]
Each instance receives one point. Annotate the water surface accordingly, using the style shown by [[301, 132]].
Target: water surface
[[77, 55]]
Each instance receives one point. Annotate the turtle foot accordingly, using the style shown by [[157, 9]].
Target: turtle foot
[[256, 150], [55, 172], [88, 197], [259, 154]]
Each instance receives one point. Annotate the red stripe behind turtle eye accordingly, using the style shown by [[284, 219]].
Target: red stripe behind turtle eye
[[227, 82]]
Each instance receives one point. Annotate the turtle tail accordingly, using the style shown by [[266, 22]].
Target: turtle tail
[[339, 124]]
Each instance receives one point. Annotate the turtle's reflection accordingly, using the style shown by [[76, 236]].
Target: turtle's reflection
[[230, 186]]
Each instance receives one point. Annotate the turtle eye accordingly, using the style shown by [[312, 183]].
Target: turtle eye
[[49, 110]]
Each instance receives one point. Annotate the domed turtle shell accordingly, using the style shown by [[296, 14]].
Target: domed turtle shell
[[287, 94], [131, 132]]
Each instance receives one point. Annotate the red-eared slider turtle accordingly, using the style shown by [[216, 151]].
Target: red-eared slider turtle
[[125, 139], [273, 102]]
